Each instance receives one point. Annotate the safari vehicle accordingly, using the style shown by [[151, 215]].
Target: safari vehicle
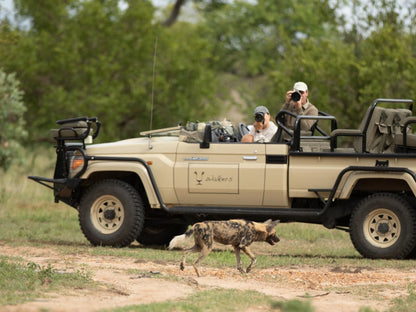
[[152, 187]]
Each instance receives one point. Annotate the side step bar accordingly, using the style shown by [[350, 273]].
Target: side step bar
[[290, 214]]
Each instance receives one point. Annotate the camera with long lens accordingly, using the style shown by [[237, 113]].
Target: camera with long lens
[[259, 117], [295, 97]]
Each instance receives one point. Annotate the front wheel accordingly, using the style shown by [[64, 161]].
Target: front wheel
[[383, 226], [111, 213]]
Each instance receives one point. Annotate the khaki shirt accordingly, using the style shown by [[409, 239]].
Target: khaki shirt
[[307, 109]]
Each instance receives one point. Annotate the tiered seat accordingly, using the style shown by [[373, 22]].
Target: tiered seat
[[378, 131]]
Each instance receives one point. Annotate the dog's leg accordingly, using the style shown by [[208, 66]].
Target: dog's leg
[[204, 252], [194, 248], [252, 257], [237, 255]]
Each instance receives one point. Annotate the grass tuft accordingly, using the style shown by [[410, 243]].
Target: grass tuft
[[293, 306], [215, 300], [20, 283], [407, 303]]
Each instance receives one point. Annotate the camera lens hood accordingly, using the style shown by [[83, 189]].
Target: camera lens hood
[[295, 96]]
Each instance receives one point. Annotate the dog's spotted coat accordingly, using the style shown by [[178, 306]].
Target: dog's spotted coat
[[238, 233]]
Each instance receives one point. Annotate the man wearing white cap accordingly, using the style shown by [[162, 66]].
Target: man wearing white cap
[[297, 102], [263, 129]]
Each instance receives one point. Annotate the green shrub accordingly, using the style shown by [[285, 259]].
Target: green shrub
[[12, 124]]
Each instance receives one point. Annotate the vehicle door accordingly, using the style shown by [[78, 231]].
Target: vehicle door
[[224, 174]]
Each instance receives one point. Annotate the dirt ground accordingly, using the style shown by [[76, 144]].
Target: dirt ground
[[329, 289]]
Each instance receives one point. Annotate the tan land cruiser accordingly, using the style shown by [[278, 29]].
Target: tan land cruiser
[[151, 188]]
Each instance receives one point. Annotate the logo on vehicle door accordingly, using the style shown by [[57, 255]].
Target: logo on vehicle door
[[215, 178], [199, 177]]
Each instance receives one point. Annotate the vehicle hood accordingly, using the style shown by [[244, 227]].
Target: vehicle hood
[[134, 146]]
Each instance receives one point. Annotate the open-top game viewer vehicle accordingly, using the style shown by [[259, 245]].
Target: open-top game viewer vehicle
[[151, 188]]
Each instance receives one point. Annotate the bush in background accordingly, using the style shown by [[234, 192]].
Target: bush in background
[[12, 124]]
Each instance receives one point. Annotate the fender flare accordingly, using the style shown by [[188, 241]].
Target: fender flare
[[128, 164], [343, 178], [347, 185]]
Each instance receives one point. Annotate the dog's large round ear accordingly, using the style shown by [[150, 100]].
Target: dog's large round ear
[[272, 225]]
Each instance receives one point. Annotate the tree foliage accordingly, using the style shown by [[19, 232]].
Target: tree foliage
[[97, 58], [346, 68], [12, 125], [207, 5], [288, 41], [387, 56]]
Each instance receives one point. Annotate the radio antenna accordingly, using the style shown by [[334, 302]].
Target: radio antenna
[[153, 85]]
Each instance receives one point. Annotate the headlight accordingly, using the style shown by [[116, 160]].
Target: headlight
[[76, 163]]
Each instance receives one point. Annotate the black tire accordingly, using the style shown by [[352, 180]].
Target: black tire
[[383, 226], [111, 213], [412, 202], [160, 235]]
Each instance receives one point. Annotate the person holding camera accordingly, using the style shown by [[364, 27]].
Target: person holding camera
[[297, 102], [263, 129]]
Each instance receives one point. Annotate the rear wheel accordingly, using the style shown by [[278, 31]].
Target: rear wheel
[[111, 213], [383, 225]]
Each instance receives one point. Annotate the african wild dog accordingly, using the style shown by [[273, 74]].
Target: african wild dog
[[238, 233]]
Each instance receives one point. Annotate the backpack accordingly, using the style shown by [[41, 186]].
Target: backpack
[[222, 131]]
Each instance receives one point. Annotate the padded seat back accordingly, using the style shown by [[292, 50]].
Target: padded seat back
[[72, 129], [381, 129], [368, 127]]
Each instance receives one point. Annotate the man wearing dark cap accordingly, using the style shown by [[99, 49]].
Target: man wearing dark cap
[[263, 129], [299, 106]]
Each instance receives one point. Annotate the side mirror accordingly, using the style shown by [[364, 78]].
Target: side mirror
[[207, 137]]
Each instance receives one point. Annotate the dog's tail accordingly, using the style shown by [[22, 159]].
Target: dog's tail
[[180, 239]]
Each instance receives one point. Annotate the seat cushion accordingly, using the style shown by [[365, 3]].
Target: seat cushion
[[66, 132]]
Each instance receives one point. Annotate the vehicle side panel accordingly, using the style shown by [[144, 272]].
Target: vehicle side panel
[[309, 171]]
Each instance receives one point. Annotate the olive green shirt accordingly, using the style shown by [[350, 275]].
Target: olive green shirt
[[307, 109]]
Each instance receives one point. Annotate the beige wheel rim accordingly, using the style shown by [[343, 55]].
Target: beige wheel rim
[[382, 228], [107, 214]]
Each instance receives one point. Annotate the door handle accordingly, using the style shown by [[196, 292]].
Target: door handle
[[250, 157], [195, 159]]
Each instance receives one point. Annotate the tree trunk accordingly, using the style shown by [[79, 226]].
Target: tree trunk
[[174, 14]]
